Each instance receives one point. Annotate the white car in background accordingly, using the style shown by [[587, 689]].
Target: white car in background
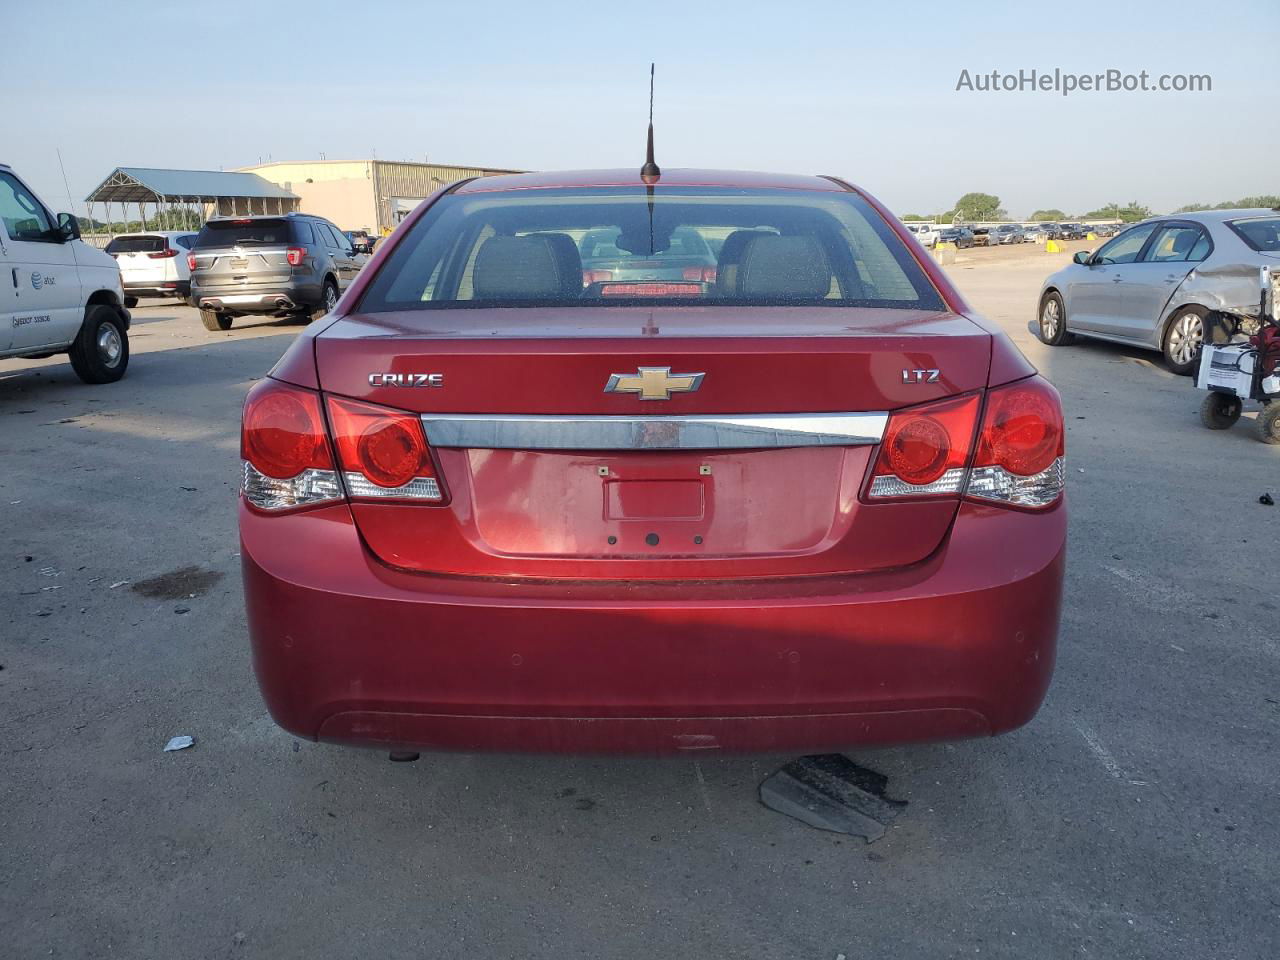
[[1034, 234], [60, 294], [153, 264], [925, 233]]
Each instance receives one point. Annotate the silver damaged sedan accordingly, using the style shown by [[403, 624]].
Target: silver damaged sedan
[[1162, 283]]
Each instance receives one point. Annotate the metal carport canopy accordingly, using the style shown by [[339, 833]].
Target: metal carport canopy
[[148, 185]]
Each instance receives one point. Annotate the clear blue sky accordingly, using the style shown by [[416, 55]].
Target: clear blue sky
[[863, 90]]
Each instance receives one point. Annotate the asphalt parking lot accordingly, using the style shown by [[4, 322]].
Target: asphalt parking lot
[[1136, 817]]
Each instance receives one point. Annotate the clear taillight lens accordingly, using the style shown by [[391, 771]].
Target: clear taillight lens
[[383, 453], [286, 455], [925, 450], [1022, 447]]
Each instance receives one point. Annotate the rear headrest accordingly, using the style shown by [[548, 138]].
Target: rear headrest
[[731, 256], [543, 266], [1184, 241], [793, 268]]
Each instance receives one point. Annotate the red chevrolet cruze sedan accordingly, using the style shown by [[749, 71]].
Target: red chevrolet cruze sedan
[[597, 462]]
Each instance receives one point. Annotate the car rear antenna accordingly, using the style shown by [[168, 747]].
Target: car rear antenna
[[650, 172]]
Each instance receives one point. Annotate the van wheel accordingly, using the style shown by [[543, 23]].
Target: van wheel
[[1220, 411], [1052, 327], [1182, 341], [215, 321], [328, 301], [130, 302], [100, 353], [1268, 424]]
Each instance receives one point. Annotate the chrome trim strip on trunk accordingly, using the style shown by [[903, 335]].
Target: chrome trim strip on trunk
[[723, 432]]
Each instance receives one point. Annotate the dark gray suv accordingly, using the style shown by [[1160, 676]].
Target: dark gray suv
[[292, 265]]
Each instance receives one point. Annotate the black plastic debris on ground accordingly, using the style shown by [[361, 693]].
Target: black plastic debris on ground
[[1267, 500], [831, 792]]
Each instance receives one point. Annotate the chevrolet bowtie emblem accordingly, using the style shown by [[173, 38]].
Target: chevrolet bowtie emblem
[[654, 383]]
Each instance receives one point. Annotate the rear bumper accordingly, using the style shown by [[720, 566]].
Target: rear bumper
[[348, 650], [158, 288], [281, 296]]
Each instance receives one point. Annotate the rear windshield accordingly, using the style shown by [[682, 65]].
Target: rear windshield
[[622, 246], [228, 233], [136, 245], [1262, 235]]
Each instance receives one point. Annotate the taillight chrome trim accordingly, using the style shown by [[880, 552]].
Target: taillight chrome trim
[[723, 432], [308, 488]]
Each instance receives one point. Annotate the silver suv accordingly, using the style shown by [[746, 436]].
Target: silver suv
[[291, 265]]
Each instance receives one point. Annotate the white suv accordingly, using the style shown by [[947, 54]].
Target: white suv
[[926, 233], [153, 264], [57, 293]]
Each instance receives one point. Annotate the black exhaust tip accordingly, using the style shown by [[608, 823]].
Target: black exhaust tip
[[402, 756]]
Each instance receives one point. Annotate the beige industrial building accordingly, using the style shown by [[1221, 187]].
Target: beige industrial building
[[372, 195]]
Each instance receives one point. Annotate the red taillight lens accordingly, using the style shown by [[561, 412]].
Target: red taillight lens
[[294, 255], [1022, 429], [191, 261], [282, 432], [165, 254], [700, 274], [1021, 457], [383, 452], [925, 450], [651, 290]]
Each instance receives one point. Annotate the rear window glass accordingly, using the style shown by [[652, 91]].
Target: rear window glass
[[1262, 235], [624, 246], [136, 245], [225, 233]]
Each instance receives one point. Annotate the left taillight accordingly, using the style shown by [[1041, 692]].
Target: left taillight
[[294, 255], [287, 462], [383, 453], [191, 261]]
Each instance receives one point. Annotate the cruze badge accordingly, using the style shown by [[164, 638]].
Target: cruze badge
[[406, 379], [654, 383], [920, 376]]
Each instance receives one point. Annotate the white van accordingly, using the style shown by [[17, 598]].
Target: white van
[[57, 293]]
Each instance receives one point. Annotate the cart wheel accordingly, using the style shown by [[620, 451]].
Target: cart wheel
[[1220, 411], [1269, 423]]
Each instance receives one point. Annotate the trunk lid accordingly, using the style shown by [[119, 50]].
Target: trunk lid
[[634, 507]]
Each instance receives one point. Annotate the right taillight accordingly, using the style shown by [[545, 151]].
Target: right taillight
[[286, 455], [1021, 452], [383, 452], [1015, 456], [294, 255]]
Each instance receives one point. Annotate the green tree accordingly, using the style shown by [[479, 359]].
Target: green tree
[[1266, 200], [979, 206], [1132, 212], [913, 216], [1053, 213]]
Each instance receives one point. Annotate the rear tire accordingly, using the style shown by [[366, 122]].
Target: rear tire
[[328, 300], [1268, 425], [1182, 341], [100, 353], [214, 321], [1220, 411], [1052, 323]]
